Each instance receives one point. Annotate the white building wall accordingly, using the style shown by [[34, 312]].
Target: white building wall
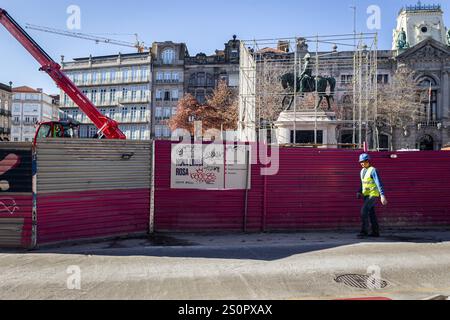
[[120, 87], [28, 110]]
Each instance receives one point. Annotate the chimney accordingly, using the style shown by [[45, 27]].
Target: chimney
[[283, 46], [39, 90]]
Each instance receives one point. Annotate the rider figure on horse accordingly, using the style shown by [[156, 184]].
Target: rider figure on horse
[[306, 76]]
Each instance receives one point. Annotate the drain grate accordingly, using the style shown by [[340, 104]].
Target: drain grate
[[361, 281]]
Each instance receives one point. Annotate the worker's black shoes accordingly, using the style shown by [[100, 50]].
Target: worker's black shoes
[[374, 235]]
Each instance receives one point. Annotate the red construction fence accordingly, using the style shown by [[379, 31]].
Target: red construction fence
[[314, 188]]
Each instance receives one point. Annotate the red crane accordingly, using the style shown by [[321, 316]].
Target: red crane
[[107, 127]]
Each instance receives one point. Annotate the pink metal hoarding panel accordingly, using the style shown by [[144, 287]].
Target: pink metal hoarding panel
[[314, 188], [92, 214]]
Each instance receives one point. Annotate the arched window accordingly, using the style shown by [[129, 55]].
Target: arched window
[[168, 56], [193, 80], [429, 98], [426, 81]]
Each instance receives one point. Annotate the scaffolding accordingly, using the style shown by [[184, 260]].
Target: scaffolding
[[350, 59]]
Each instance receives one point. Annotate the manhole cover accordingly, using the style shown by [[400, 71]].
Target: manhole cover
[[361, 281]]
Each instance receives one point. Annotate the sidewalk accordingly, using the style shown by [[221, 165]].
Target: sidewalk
[[272, 239]]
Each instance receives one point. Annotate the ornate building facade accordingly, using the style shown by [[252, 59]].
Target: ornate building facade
[[168, 84], [422, 44], [203, 73]]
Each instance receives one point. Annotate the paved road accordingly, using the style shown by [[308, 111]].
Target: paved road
[[416, 265]]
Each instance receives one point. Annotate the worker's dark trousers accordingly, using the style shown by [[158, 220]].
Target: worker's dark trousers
[[368, 213]]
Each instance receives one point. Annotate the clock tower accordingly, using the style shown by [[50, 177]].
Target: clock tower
[[417, 23]]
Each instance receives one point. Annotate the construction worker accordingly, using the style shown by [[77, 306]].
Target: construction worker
[[371, 189]]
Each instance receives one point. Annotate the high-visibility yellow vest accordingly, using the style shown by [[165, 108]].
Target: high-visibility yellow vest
[[369, 186]]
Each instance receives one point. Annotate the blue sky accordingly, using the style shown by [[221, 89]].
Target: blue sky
[[205, 25]]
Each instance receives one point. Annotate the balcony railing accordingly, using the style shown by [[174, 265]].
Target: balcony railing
[[425, 124], [134, 100], [84, 83], [168, 81]]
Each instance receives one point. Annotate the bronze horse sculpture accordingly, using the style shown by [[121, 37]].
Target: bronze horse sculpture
[[305, 84]]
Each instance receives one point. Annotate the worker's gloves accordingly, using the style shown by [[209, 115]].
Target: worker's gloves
[[384, 200]]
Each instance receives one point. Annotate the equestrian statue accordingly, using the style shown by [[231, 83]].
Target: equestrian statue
[[305, 83]]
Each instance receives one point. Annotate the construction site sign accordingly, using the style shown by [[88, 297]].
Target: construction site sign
[[209, 167]]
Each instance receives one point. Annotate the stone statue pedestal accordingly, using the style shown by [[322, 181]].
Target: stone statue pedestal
[[310, 120]]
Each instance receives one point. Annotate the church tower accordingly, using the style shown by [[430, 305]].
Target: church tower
[[417, 23]]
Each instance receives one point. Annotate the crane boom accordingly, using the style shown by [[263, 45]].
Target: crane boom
[[138, 45], [107, 127]]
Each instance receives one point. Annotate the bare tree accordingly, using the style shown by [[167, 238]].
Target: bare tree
[[269, 90], [400, 102]]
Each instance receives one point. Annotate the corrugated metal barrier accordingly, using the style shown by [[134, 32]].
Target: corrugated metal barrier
[[92, 188], [314, 188], [16, 197]]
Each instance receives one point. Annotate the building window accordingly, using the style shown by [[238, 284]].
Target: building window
[[124, 93], [142, 133], [142, 112], [210, 80], [200, 96], [134, 74], [133, 113], [133, 131], [104, 76], [175, 77], [383, 79], [144, 74], [158, 95], [113, 75], [167, 113], [168, 56], [158, 113], [159, 76], [95, 76], [112, 95], [167, 77], [144, 92], [175, 96], [166, 95], [92, 132], [112, 113], [102, 95], [124, 113], [166, 131], [306, 137], [94, 96], [158, 131], [430, 99], [85, 78], [201, 79], [75, 114]]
